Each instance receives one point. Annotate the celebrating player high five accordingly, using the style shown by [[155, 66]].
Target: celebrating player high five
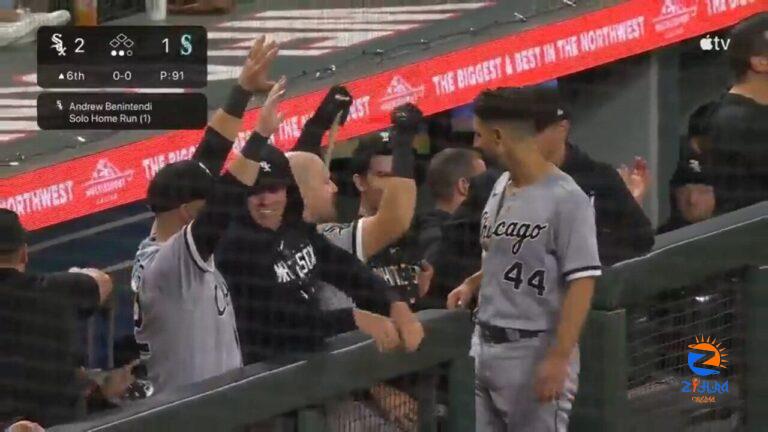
[[185, 324]]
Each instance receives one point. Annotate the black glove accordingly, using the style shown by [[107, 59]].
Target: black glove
[[406, 118], [337, 100], [405, 123]]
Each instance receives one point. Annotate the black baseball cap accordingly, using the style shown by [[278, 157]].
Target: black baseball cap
[[12, 233], [374, 144], [539, 103], [275, 170], [178, 183], [689, 171]]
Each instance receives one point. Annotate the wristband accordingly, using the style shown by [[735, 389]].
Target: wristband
[[237, 101], [253, 147]]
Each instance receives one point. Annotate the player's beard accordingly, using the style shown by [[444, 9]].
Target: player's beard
[[490, 158]]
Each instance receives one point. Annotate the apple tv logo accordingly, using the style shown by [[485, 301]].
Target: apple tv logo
[[709, 43]]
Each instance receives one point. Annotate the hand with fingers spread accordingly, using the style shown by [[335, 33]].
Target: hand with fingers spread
[[636, 178], [380, 328], [254, 76], [269, 117]]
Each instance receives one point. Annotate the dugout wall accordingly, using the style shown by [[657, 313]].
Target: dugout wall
[[622, 388]]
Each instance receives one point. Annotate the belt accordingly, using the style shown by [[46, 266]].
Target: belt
[[498, 335]]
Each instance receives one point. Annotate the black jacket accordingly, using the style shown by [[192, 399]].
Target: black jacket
[[39, 345], [274, 276], [739, 159], [459, 249], [623, 230], [429, 227]]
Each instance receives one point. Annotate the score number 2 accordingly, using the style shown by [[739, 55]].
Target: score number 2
[[186, 45], [80, 43]]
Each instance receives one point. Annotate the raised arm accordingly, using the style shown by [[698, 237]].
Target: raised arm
[[231, 188], [227, 121], [633, 234], [337, 100], [398, 201]]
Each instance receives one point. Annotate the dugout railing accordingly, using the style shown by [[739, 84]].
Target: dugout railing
[[704, 280]]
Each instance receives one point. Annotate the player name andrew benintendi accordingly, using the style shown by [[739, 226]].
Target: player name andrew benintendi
[[521, 231]]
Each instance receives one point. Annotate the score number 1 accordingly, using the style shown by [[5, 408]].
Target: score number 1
[[186, 45]]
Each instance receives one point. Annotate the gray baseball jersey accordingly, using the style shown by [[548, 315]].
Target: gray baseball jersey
[[348, 236], [185, 322], [535, 240]]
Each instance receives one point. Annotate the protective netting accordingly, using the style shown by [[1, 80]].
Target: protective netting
[[398, 405], [659, 335]]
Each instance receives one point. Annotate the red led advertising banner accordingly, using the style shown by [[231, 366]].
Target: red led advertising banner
[[103, 180]]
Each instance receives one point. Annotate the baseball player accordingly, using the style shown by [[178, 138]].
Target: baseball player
[[391, 215], [538, 271], [384, 175], [185, 323]]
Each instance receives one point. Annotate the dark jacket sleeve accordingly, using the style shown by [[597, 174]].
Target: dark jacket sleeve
[[311, 139], [81, 288], [738, 168], [623, 229], [246, 271], [226, 198], [344, 271], [272, 320], [213, 150], [429, 241], [460, 254]]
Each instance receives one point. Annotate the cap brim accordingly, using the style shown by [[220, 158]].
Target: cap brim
[[267, 183]]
